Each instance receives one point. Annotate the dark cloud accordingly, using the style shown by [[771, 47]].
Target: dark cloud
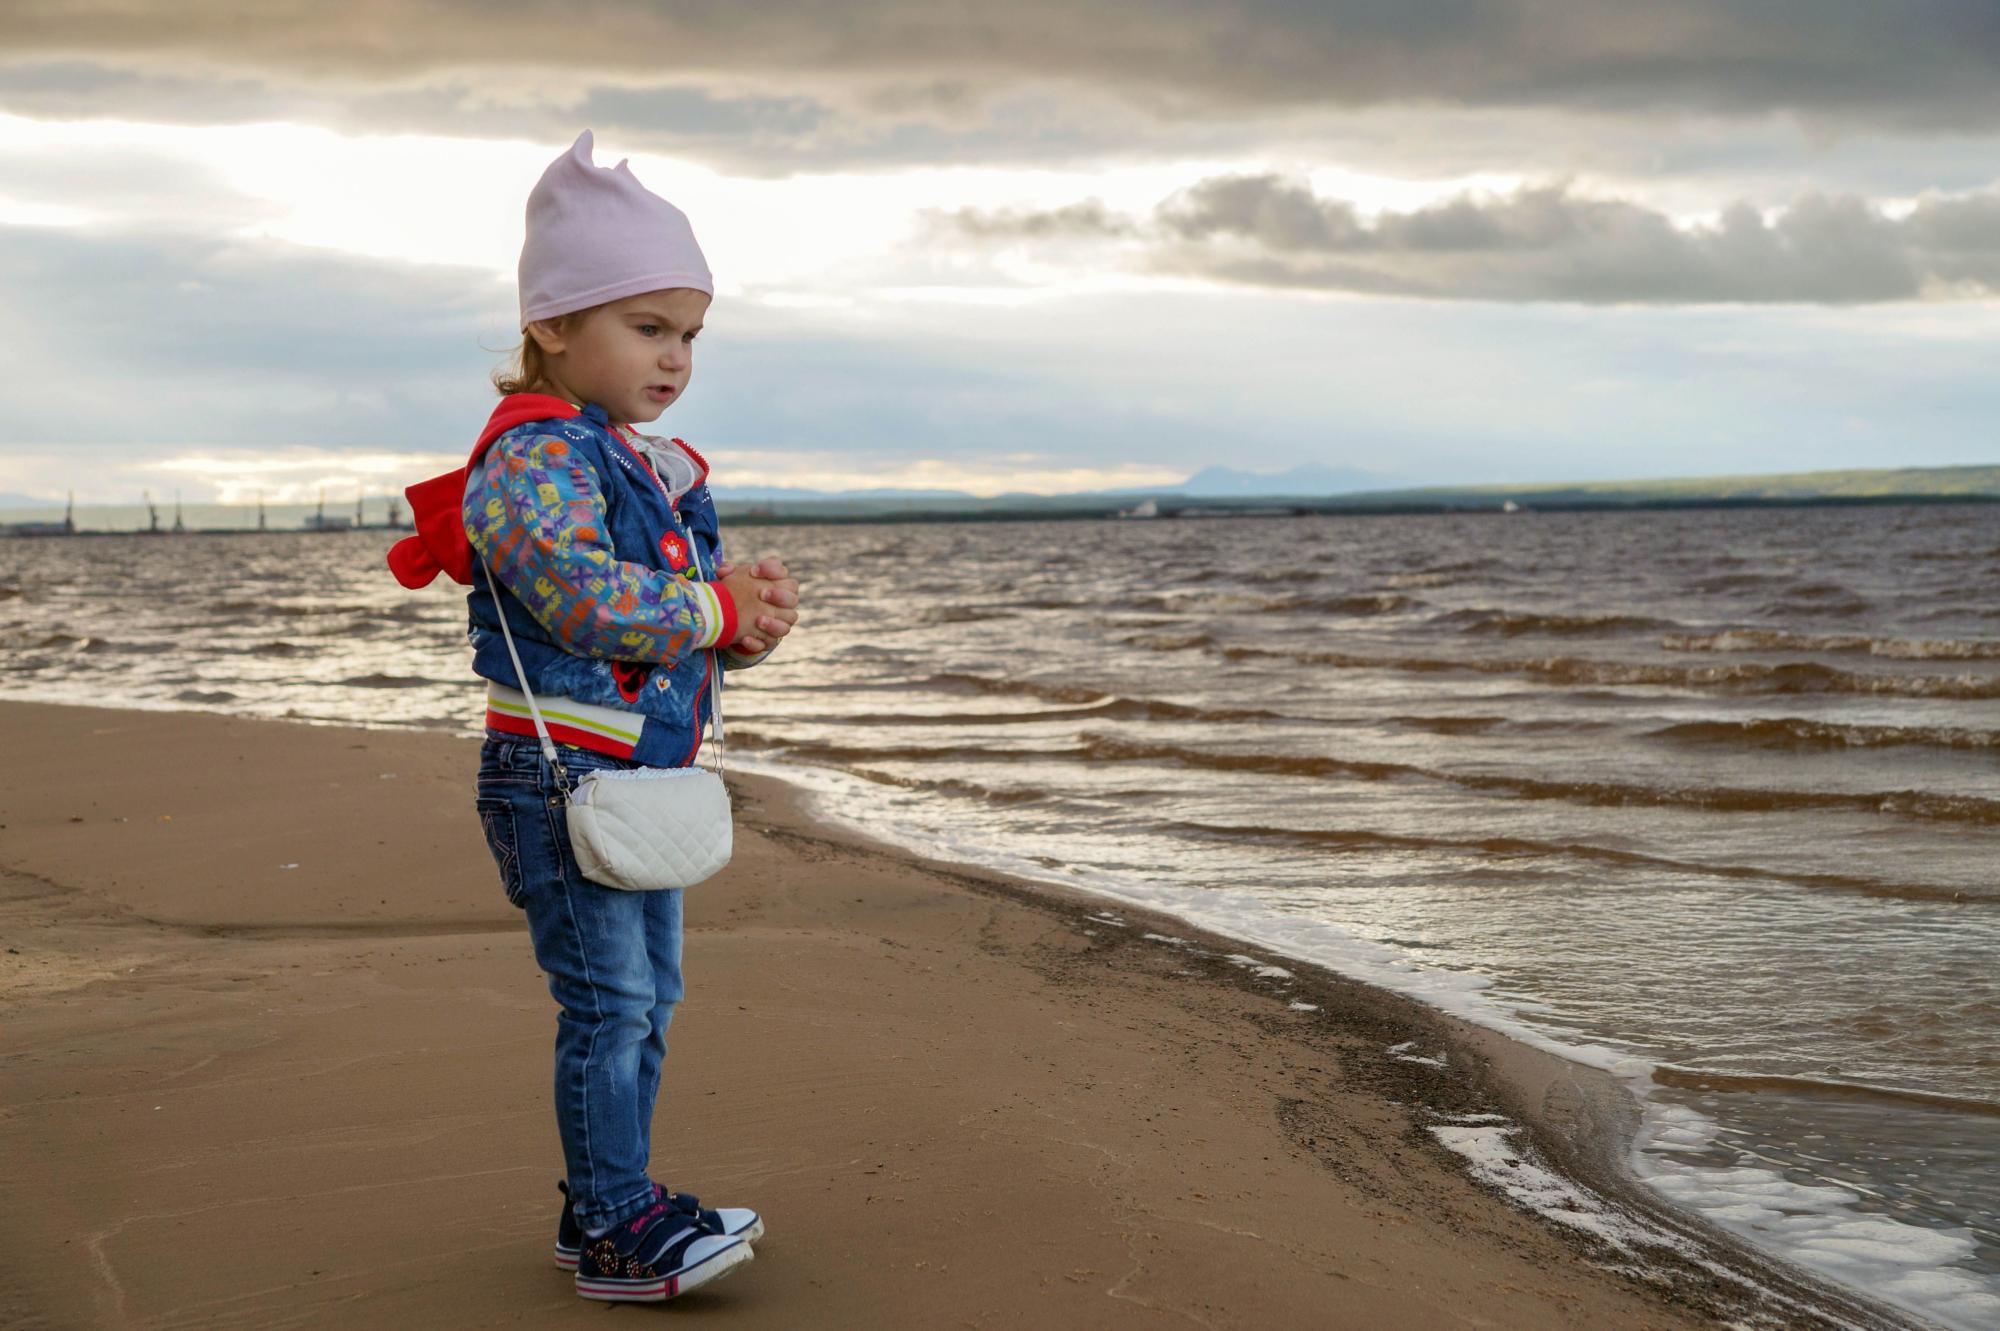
[[1914, 64], [1541, 243], [1090, 217], [747, 131]]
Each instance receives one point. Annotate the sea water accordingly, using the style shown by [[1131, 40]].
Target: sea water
[[1707, 798]]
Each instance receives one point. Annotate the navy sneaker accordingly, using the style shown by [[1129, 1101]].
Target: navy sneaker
[[664, 1252], [735, 1221]]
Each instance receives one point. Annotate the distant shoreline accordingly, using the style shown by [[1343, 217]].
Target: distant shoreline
[[1168, 510], [1196, 509]]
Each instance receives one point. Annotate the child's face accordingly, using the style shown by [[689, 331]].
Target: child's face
[[632, 357]]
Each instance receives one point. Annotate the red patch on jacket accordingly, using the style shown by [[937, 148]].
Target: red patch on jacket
[[631, 677], [676, 551]]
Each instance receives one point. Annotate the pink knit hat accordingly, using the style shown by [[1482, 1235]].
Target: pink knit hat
[[597, 235]]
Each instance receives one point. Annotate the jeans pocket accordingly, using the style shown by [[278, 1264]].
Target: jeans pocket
[[503, 838]]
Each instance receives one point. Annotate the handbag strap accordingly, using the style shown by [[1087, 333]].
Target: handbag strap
[[563, 783]]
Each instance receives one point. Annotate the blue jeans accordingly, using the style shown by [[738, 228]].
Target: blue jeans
[[613, 960]]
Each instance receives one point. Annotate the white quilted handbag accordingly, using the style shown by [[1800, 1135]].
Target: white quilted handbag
[[645, 828]]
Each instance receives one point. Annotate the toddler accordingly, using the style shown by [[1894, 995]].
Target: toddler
[[604, 546]]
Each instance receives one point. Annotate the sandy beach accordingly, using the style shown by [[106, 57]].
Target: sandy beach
[[276, 1054]]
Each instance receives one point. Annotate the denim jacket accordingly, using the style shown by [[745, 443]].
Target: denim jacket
[[606, 563]]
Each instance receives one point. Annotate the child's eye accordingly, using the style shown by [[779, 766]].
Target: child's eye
[[687, 337], [647, 330]]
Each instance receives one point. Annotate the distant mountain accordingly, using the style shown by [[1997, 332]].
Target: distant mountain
[[1874, 483], [1227, 482], [8, 499]]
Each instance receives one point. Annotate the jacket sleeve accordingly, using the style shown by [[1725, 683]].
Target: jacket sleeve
[[735, 660], [535, 511]]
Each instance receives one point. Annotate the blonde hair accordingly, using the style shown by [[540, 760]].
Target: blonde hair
[[526, 370]]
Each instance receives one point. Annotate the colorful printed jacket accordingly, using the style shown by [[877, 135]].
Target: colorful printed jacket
[[606, 563]]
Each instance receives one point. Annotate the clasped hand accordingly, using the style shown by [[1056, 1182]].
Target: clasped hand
[[768, 588]]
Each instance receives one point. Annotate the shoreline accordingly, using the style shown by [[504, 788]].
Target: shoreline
[[997, 1075], [1581, 1120]]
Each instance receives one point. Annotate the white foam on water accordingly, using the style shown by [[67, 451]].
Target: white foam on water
[[1814, 1227], [1258, 968], [1494, 1157]]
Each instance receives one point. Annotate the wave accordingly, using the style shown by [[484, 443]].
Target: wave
[[1108, 705], [85, 645], [1260, 575], [958, 614], [1818, 591], [1695, 1079], [1108, 708], [958, 682], [1102, 748], [1721, 799], [848, 760], [1358, 839], [413, 612], [1792, 606], [1186, 602], [1365, 603], [1482, 725], [1778, 640], [1453, 725], [1252, 576], [378, 680], [1452, 569], [1167, 642], [1741, 677], [1095, 747], [1733, 582], [951, 785], [1512, 623], [1798, 732]]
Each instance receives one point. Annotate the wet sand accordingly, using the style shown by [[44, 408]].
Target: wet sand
[[277, 1054]]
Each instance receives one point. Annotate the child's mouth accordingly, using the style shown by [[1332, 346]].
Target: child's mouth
[[660, 393]]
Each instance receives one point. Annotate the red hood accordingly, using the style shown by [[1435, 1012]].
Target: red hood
[[436, 504]]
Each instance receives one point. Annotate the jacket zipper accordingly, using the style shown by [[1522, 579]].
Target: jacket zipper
[[686, 533], [708, 666], [708, 657]]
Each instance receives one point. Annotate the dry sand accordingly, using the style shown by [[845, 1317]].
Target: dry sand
[[277, 1054]]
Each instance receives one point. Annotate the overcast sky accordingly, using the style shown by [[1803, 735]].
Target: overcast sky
[[1027, 247]]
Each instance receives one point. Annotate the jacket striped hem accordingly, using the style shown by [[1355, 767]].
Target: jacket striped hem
[[585, 725]]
